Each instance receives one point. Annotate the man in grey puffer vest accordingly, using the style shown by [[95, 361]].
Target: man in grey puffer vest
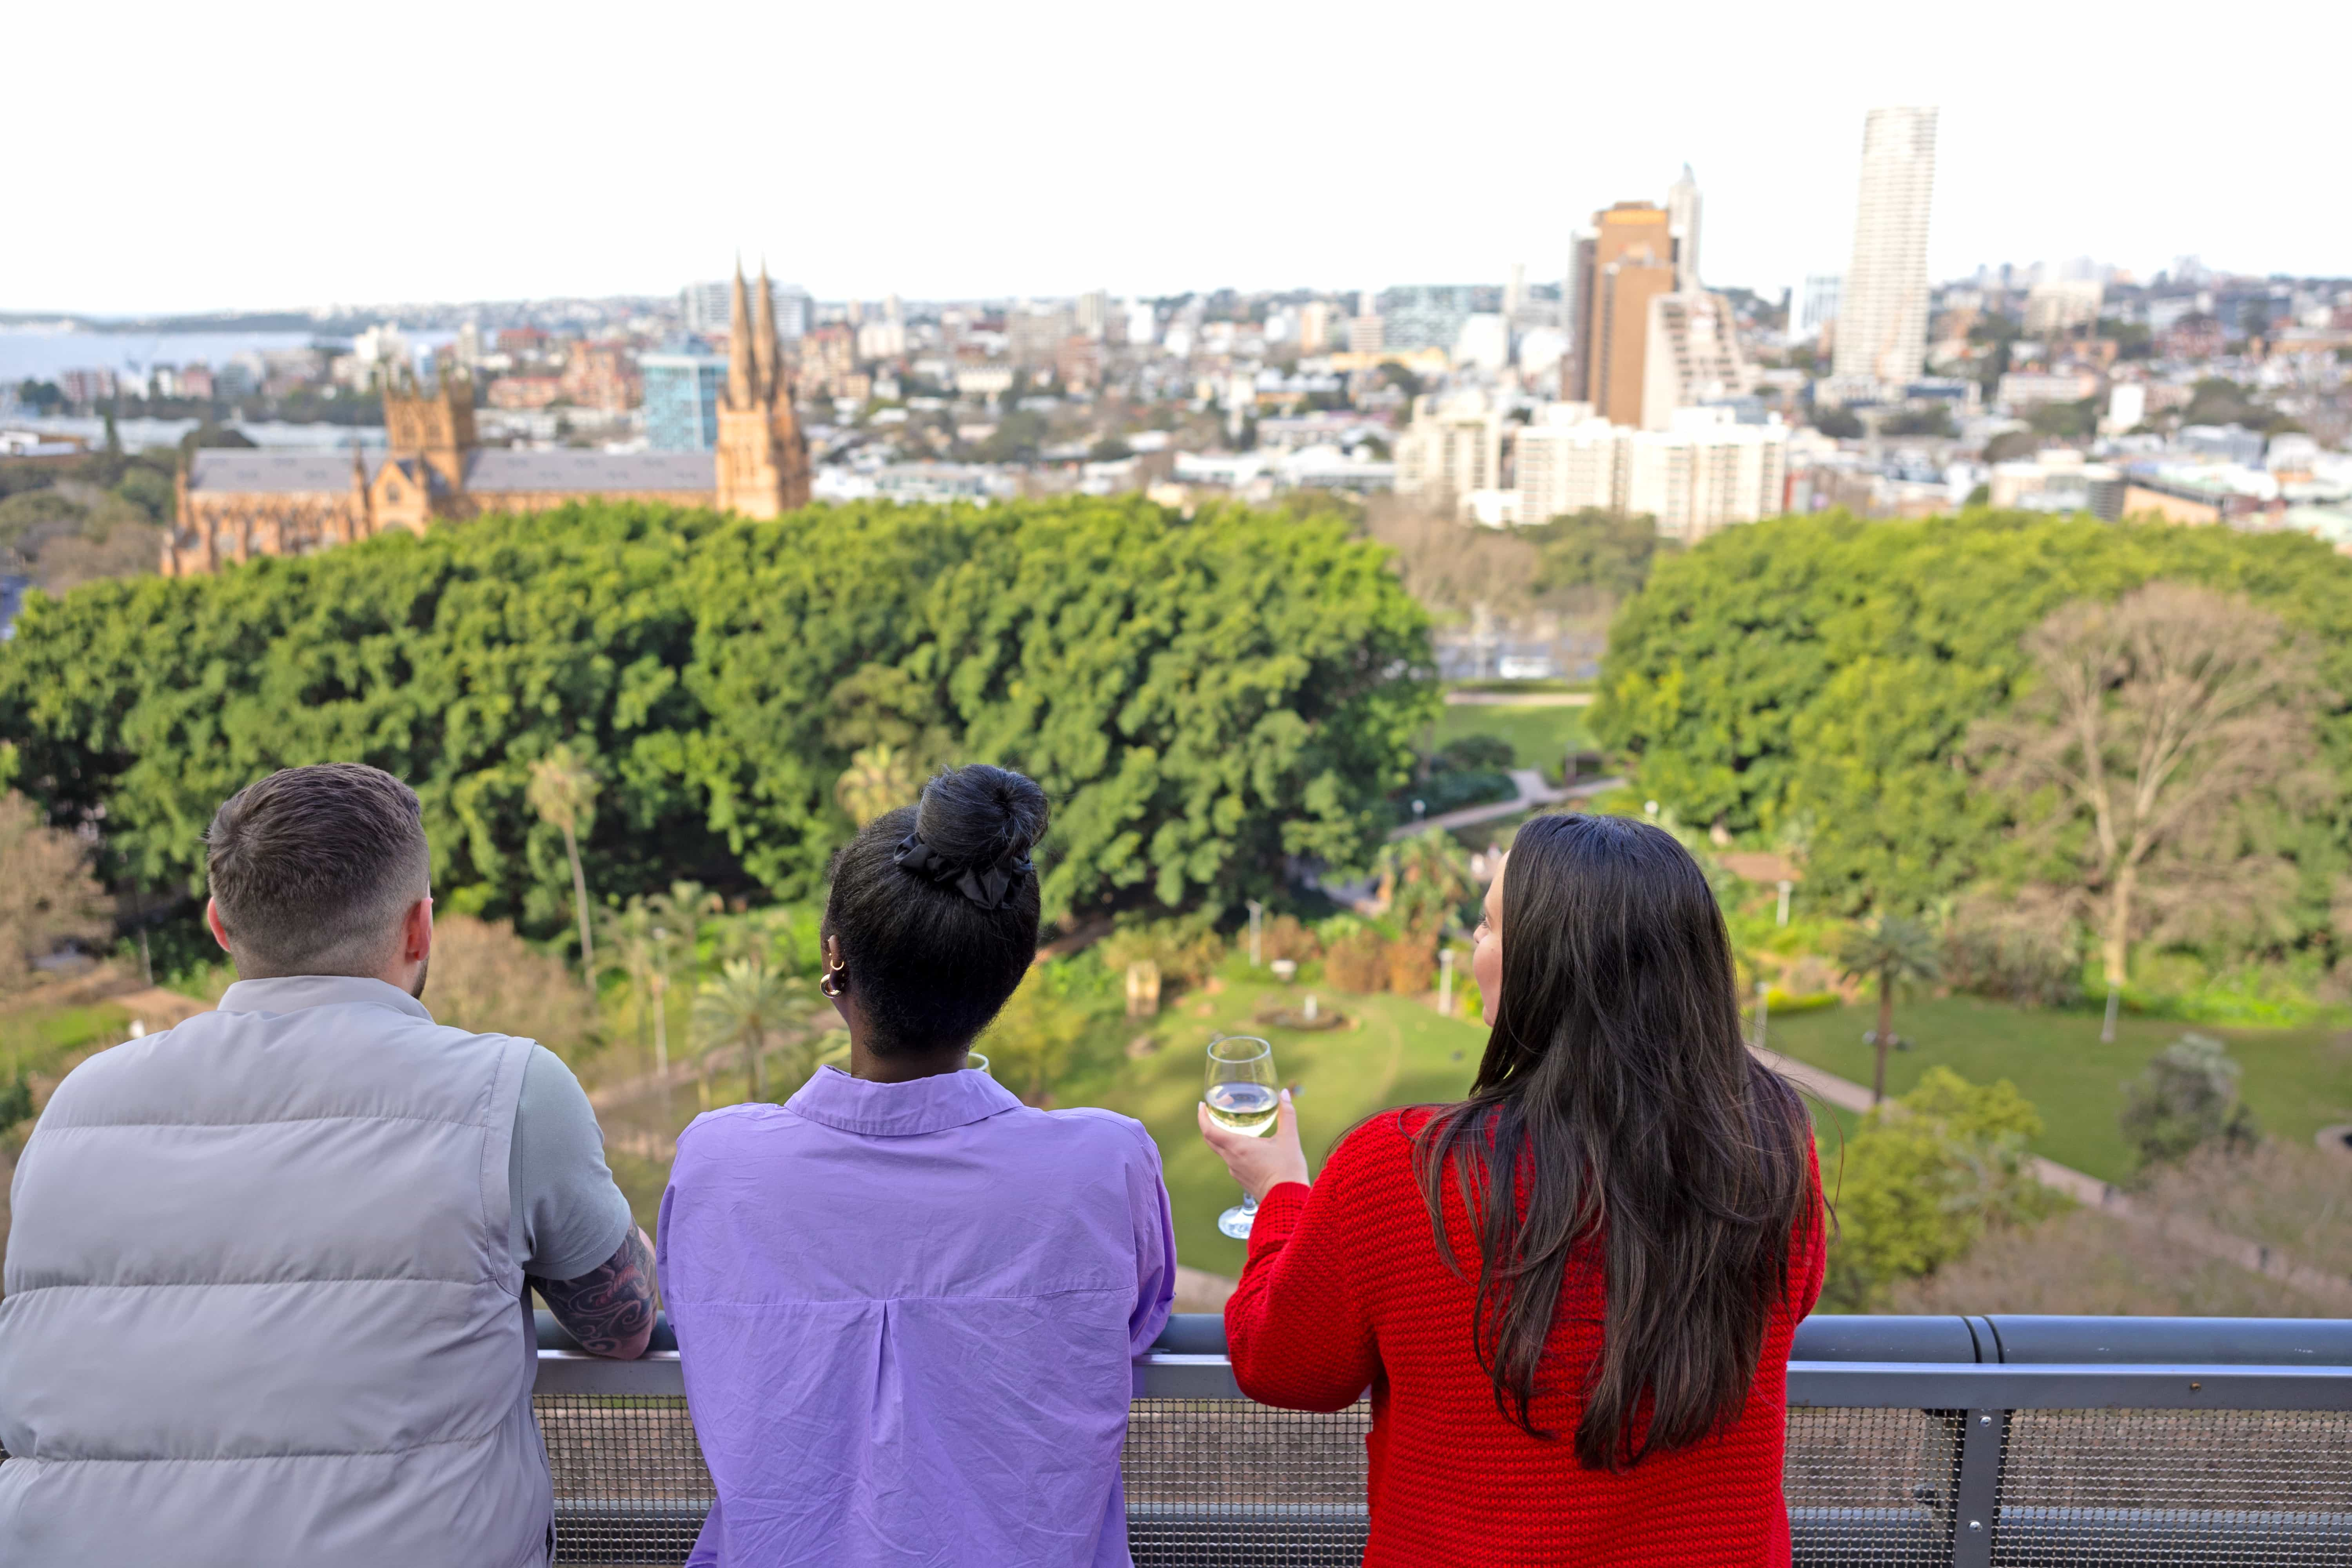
[[265, 1278]]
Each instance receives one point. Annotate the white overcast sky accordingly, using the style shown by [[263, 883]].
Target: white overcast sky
[[233, 155]]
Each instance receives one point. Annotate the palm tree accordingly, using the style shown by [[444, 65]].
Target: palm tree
[[628, 932], [1897, 952], [880, 778], [764, 936], [1425, 879], [746, 1005], [562, 790], [677, 931]]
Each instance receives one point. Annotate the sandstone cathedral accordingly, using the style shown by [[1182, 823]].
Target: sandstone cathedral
[[235, 504]]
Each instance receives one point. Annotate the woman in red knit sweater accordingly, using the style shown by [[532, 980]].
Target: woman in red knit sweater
[[1584, 1363]]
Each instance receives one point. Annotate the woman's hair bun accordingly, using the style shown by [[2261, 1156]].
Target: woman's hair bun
[[979, 814]]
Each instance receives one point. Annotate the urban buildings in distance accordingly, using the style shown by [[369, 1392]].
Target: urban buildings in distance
[[1623, 374], [235, 504]]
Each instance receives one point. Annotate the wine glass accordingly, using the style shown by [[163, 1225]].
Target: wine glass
[[1241, 1098]]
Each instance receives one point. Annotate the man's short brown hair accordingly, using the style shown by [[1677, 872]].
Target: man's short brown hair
[[312, 868]]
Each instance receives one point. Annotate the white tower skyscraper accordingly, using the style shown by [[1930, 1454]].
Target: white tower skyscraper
[[1682, 222], [1882, 324]]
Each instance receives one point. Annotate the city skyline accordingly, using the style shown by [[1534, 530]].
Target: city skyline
[[1185, 160]]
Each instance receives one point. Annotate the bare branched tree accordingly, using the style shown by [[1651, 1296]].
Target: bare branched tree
[[2158, 720], [47, 895], [1455, 568]]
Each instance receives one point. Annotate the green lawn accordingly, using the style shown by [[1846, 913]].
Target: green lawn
[[38, 1037], [1404, 1054], [2296, 1080], [1539, 736]]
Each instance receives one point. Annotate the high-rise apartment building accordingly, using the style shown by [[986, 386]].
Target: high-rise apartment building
[[1576, 316], [1693, 356], [1452, 448], [1566, 461], [1093, 314], [683, 397], [1705, 472], [1882, 333], [1682, 224], [1628, 262]]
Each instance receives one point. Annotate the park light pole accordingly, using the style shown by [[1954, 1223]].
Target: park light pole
[[1257, 925]]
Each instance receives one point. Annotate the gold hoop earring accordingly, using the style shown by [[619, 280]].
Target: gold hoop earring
[[829, 985]]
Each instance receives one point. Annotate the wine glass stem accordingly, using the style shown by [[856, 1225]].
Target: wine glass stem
[[1249, 1202]]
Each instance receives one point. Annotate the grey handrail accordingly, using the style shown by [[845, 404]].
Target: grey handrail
[[2014, 1341]]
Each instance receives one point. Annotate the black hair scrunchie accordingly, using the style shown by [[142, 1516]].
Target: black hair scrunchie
[[991, 887]]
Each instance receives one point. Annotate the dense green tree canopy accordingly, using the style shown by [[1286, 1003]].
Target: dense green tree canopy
[[1201, 698], [1815, 678]]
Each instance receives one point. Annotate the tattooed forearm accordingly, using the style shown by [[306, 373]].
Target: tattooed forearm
[[611, 1310]]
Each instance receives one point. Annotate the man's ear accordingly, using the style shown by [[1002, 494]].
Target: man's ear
[[213, 924], [416, 930]]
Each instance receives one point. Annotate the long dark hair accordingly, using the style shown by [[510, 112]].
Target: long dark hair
[[1616, 1104], [935, 905]]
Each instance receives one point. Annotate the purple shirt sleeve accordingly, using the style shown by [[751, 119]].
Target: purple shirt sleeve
[[1155, 1253]]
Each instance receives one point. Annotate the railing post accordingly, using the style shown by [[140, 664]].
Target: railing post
[[1982, 1445]]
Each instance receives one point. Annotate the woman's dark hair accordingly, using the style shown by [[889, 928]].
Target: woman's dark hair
[[936, 907], [1617, 1110]]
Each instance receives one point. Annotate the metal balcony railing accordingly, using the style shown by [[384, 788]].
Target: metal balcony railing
[[1966, 1442]]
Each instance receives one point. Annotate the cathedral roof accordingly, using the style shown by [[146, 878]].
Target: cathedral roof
[[500, 468], [236, 468]]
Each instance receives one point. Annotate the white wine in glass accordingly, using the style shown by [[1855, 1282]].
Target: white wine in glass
[[1241, 1098]]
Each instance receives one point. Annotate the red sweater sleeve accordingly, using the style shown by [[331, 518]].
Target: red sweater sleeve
[[1298, 1328]]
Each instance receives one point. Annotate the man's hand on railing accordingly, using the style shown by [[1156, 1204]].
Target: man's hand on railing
[[611, 1310], [1261, 1164]]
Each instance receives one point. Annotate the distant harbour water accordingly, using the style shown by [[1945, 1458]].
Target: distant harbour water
[[139, 435], [45, 356]]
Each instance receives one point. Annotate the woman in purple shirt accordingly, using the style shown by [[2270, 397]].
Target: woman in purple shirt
[[907, 1304]]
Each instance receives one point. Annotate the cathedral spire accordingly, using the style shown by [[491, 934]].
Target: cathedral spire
[[767, 352], [741, 390]]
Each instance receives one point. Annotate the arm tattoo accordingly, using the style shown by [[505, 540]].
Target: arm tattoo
[[611, 1310]]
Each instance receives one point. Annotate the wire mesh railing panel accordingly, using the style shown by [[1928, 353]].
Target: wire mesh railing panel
[[1218, 1482], [1870, 1486], [2150, 1489], [630, 1486]]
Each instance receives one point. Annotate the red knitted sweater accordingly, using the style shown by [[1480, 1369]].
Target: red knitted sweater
[[1344, 1290]]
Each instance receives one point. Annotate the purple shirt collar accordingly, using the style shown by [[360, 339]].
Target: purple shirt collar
[[901, 1110]]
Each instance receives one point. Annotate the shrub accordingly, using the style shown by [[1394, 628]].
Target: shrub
[[1923, 1178], [2019, 953], [2185, 1100], [1357, 962], [1473, 753], [1284, 937], [1411, 963], [1187, 949]]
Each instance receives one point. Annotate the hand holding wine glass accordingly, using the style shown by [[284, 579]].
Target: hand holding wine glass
[[1250, 1125]]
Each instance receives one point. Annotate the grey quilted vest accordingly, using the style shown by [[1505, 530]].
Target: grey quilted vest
[[262, 1306]]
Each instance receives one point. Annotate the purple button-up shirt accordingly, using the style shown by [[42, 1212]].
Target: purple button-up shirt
[[907, 1314]]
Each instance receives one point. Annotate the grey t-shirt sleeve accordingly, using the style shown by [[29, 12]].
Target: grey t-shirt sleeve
[[569, 1218]]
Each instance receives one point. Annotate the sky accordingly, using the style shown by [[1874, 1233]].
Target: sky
[[242, 155]]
